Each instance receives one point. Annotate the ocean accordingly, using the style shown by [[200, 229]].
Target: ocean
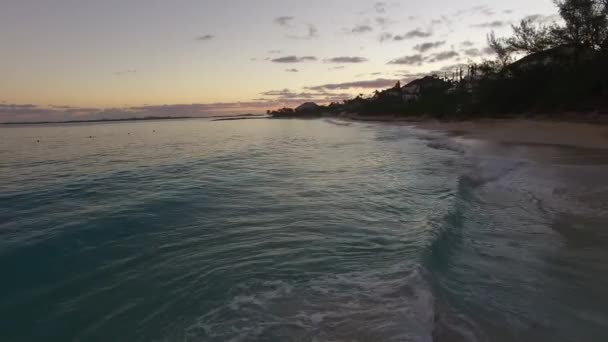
[[297, 230]]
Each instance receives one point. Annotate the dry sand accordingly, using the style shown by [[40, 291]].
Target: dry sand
[[542, 132]]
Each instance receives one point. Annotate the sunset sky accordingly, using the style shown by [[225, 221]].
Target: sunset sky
[[79, 59]]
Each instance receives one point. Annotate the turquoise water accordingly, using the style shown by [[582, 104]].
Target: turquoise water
[[295, 230]]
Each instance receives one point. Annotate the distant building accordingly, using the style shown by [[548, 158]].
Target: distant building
[[563, 54], [416, 88], [394, 92]]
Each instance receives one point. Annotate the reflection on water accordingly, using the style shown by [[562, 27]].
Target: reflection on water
[[303, 230]]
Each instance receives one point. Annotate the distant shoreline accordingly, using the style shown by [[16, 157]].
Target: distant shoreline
[[150, 118], [101, 120]]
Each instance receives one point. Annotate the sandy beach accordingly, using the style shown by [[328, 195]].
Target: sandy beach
[[541, 132], [584, 134]]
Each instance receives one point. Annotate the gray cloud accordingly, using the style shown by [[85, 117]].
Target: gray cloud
[[204, 38], [291, 70], [491, 24], [473, 52], [443, 20], [543, 19], [487, 51], [371, 84], [442, 56], [346, 59], [385, 36], [380, 7], [321, 94], [383, 21], [409, 60], [125, 72], [294, 59], [428, 46], [482, 9], [413, 34], [284, 21], [362, 29], [274, 51], [311, 33], [467, 43]]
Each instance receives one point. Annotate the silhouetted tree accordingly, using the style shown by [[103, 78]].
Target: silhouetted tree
[[585, 25], [586, 22]]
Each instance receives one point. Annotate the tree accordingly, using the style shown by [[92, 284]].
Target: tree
[[528, 37], [499, 46], [586, 22], [585, 25]]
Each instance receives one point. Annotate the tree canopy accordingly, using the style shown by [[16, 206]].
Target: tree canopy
[[585, 24]]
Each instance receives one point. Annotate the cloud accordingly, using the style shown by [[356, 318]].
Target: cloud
[[542, 19], [442, 20], [362, 29], [319, 95], [274, 51], [291, 70], [125, 72], [442, 56], [380, 7], [286, 93], [311, 33], [428, 46], [204, 38], [383, 21], [473, 52], [487, 11], [337, 67], [284, 21], [491, 24], [413, 34], [294, 59], [346, 59], [385, 36], [371, 84], [508, 11], [409, 60], [467, 43], [488, 51], [482, 9]]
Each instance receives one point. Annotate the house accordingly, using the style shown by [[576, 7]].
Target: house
[[416, 88], [563, 54], [391, 93]]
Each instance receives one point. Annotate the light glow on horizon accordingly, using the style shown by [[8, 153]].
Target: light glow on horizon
[[114, 54]]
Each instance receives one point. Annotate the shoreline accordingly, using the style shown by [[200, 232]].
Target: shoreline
[[563, 130]]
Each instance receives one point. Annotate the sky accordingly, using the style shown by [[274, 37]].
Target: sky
[[85, 59]]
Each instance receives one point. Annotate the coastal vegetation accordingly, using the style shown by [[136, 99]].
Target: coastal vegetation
[[554, 68]]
